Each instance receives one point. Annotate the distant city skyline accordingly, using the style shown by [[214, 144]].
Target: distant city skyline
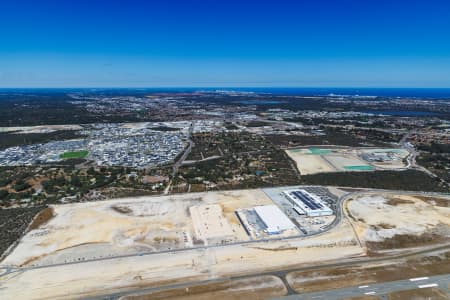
[[231, 43]]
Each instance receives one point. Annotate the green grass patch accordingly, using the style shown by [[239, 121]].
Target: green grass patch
[[74, 154]]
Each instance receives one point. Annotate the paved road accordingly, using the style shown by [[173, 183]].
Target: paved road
[[380, 289], [182, 159]]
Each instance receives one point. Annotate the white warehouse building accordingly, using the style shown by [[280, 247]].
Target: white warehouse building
[[307, 203], [274, 219]]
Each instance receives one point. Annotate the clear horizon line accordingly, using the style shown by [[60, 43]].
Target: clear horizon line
[[227, 87]]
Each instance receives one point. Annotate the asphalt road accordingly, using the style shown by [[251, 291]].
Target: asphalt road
[[380, 289], [177, 164]]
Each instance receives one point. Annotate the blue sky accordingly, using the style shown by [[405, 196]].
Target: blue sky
[[111, 43]]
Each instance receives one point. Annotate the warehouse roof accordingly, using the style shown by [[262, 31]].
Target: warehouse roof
[[274, 218]]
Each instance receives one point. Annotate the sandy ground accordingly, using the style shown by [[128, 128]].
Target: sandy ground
[[83, 231], [125, 274], [40, 129], [262, 287], [310, 164], [379, 217], [209, 222], [337, 159], [406, 214]]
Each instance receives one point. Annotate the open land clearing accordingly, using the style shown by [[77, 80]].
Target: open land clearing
[[130, 225], [83, 231], [40, 128], [103, 277], [323, 160], [386, 222]]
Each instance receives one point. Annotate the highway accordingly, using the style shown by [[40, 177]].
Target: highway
[[182, 159], [380, 289]]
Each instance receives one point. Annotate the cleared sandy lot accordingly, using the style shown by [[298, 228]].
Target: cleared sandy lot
[[40, 129], [310, 164], [127, 274], [322, 160], [84, 231], [104, 277], [209, 222], [389, 221]]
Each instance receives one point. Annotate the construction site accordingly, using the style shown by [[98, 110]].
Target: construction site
[[87, 231], [310, 160], [114, 247]]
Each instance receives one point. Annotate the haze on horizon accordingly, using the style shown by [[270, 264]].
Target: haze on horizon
[[172, 43]]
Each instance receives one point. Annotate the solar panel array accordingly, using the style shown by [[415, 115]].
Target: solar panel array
[[307, 200]]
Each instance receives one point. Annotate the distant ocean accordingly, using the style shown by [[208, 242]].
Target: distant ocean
[[430, 93], [382, 92]]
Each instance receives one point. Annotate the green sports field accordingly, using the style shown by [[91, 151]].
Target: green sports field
[[74, 154]]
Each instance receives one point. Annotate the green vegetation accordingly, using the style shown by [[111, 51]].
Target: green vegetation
[[54, 108], [75, 154], [256, 124], [436, 158], [41, 185], [18, 139], [230, 126], [337, 136], [243, 160], [14, 221], [435, 148], [409, 180], [165, 128]]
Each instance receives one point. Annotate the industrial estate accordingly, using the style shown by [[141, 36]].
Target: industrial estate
[[200, 237]]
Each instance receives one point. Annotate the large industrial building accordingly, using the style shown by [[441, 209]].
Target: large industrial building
[[274, 219], [307, 203]]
